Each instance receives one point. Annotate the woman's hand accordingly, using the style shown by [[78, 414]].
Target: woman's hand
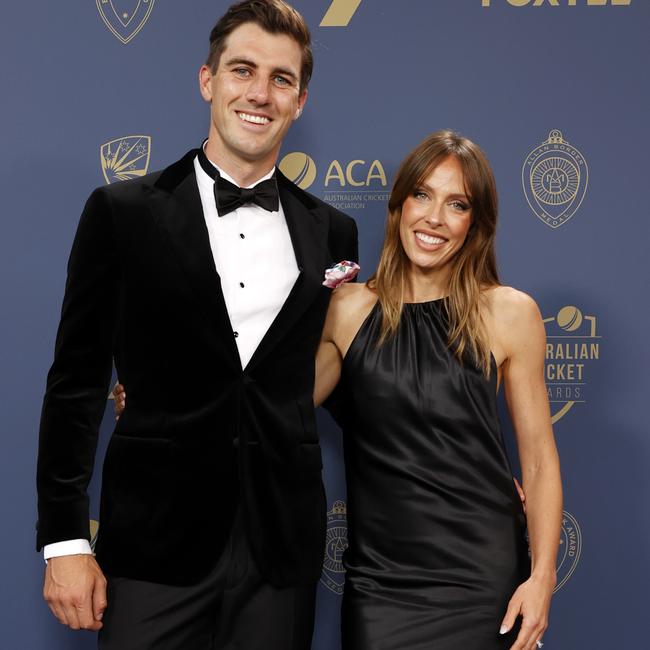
[[531, 601], [119, 395], [520, 492]]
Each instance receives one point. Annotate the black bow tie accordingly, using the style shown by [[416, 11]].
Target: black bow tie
[[229, 197]]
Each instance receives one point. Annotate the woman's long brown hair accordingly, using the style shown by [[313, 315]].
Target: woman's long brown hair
[[473, 268]]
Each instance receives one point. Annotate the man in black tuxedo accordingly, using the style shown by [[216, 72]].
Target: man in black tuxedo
[[212, 504]]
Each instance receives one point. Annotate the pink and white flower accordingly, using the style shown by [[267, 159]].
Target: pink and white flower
[[339, 273]]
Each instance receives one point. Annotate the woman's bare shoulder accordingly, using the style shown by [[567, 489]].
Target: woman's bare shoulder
[[513, 319], [349, 307], [511, 306], [353, 297]]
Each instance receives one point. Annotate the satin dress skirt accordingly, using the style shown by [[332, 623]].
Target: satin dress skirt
[[436, 530]]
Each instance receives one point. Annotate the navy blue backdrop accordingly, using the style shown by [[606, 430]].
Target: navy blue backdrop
[[556, 92]]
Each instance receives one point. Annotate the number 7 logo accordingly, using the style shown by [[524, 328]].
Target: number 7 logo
[[340, 13]]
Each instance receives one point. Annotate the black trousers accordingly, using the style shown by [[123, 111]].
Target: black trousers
[[233, 608]]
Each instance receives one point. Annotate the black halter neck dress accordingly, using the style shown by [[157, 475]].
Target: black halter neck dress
[[436, 529]]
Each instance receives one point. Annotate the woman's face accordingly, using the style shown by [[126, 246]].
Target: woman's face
[[436, 218]]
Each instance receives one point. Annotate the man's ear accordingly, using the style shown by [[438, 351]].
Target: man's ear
[[205, 82], [301, 102]]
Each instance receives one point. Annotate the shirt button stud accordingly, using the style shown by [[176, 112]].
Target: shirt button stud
[[235, 334]]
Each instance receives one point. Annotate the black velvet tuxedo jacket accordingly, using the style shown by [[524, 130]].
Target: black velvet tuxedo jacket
[[200, 435]]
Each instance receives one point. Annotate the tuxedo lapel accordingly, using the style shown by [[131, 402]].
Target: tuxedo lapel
[[176, 206], [308, 227]]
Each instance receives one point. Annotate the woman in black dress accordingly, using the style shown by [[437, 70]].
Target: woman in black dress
[[438, 557]]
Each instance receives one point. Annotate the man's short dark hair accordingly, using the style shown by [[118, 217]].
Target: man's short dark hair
[[274, 16]]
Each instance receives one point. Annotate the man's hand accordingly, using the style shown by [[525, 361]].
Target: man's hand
[[119, 395], [75, 591]]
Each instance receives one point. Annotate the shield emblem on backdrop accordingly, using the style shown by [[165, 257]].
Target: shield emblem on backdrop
[[555, 177], [125, 18], [125, 158]]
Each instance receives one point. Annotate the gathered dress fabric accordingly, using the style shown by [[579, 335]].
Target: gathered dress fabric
[[436, 530]]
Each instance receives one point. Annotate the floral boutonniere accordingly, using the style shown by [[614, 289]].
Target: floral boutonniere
[[339, 273]]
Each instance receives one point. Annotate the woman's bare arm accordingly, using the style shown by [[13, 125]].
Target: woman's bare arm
[[348, 308], [519, 329]]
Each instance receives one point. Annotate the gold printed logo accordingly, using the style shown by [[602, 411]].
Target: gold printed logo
[[125, 158], [348, 185], [572, 347], [356, 184], [336, 541], [125, 18], [340, 13], [555, 178], [559, 3], [299, 168], [94, 532], [570, 549]]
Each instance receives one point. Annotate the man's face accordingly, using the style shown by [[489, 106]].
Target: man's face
[[254, 94]]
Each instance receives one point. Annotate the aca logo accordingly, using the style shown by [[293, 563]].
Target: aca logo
[[336, 541], [354, 173], [555, 177], [570, 548], [125, 158], [572, 347], [346, 185], [125, 18], [340, 13]]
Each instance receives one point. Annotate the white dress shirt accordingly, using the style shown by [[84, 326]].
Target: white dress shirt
[[254, 257]]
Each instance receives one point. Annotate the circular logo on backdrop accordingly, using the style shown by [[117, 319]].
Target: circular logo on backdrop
[[569, 318], [570, 548], [299, 168], [555, 177], [125, 158], [336, 541]]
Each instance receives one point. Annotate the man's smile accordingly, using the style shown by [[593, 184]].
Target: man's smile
[[252, 118]]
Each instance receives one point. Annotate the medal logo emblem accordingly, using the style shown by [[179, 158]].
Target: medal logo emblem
[[555, 176], [336, 541]]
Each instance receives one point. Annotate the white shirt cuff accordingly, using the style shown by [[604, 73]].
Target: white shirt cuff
[[69, 547]]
